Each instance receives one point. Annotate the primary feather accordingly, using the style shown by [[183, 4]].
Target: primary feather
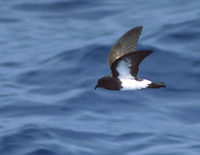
[[126, 44]]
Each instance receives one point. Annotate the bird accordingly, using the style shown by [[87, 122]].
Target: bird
[[124, 63]]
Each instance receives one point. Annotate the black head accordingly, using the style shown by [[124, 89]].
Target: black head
[[109, 82]]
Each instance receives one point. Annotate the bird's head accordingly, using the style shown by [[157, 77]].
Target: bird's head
[[102, 82], [108, 82]]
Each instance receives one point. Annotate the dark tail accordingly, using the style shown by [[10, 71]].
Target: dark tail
[[156, 85]]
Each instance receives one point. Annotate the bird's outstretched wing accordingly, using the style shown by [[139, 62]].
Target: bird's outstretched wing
[[126, 44], [128, 65]]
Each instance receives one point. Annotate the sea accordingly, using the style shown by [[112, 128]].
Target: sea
[[53, 52]]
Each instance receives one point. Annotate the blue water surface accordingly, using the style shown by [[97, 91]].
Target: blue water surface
[[53, 52]]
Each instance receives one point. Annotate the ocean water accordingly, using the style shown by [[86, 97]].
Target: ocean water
[[53, 52]]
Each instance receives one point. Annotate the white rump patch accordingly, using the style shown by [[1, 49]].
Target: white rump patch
[[132, 84]]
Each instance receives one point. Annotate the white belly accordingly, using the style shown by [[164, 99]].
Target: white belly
[[132, 84]]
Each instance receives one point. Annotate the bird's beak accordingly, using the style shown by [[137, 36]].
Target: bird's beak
[[96, 87]]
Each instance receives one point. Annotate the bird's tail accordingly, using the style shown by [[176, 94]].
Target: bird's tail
[[156, 85]]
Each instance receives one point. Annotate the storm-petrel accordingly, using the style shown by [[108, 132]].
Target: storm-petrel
[[124, 63]]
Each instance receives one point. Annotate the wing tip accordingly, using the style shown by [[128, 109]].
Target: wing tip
[[139, 27], [147, 51], [150, 51]]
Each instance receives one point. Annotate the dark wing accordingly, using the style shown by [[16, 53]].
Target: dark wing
[[128, 65], [126, 44]]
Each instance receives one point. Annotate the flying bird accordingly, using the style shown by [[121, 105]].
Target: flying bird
[[124, 63]]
